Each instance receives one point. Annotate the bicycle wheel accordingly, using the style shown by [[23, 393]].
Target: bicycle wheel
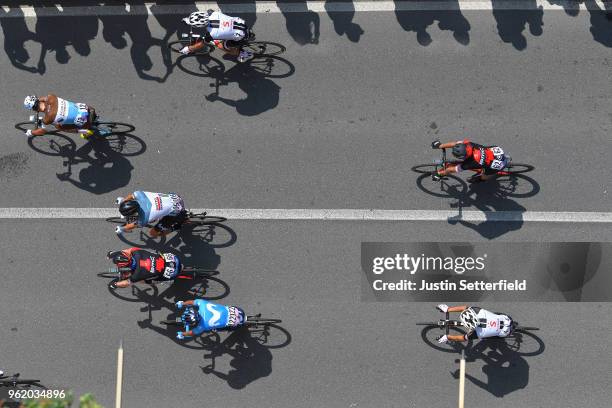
[[52, 144], [518, 168], [261, 48], [117, 220], [116, 128], [178, 45], [449, 187], [526, 329], [201, 219], [260, 321], [426, 323], [425, 168], [107, 275], [126, 144], [199, 272]]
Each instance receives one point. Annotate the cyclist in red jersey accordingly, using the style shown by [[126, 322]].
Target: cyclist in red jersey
[[145, 266], [486, 160]]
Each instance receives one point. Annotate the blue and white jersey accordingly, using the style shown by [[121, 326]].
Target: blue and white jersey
[[155, 206], [214, 316], [71, 114]]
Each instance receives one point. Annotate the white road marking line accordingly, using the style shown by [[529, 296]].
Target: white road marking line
[[330, 214], [315, 6]]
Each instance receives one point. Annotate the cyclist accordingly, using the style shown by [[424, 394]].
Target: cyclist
[[145, 266], [203, 316], [479, 322], [63, 114], [486, 160], [166, 211], [222, 31]]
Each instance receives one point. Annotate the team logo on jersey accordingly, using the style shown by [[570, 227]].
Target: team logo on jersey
[[216, 315]]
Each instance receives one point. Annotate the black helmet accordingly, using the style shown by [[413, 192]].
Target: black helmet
[[459, 151], [129, 207]]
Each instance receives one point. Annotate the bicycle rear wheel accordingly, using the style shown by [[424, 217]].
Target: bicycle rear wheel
[[525, 329], [116, 128], [518, 168], [258, 320], [261, 48], [108, 275], [202, 219]]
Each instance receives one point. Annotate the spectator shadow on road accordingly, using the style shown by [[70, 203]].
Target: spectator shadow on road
[[506, 369], [419, 20], [571, 8], [16, 34], [55, 30], [249, 16], [343, 20], [511, 23], [601, 25], [303, 25], [251, 358]]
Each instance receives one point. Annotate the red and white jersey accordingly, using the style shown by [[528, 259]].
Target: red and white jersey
[[224, 27], [492, 325]]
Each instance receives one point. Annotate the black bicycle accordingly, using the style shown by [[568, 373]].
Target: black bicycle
[[192, 218], [14, 381], [100, 128], [187, 272], [258, 48], [455, 327]]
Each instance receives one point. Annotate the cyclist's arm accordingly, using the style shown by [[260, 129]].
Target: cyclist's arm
[[188, 303], [457, 308], [456, 337], [130, 226], [448, 145]]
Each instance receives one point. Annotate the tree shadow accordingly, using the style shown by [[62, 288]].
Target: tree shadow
[[511, 23], [448, 20], [262, 94], [302, 24], [343, 20], [506, 370]]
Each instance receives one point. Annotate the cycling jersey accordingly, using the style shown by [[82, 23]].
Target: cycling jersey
[[71, 114], [147, 265], [224, 27], [492, 324], [155, 206], [489, 158], [214, 316]]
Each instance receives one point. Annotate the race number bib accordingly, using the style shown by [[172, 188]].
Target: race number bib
[[234, 316], [82, 114], [169, 272], [499, 162]]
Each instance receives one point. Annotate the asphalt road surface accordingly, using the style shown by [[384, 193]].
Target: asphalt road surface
[[341, 127]]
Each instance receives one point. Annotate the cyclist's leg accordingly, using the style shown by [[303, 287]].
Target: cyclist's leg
[[228, 46]]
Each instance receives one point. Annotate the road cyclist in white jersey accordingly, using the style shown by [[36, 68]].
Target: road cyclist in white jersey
[[165, 211], [62, 114], [479, 323], [220, 30]]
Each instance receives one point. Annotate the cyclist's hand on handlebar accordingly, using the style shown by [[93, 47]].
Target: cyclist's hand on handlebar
[[442, 307], [118, 200], [185, 50], [443, 339], [28, 133], [435, 144], [119, 230], [180, 335], [179, 304]]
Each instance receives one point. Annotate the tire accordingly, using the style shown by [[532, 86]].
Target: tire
[[263, 48], [117, 128], [518, 168], [260, 321], [449, 187], [525, 329], [125, 144], [425, 168], [116, 220], [52, 144], [177, 46], [427, 323], [112, 275], [206, 220]]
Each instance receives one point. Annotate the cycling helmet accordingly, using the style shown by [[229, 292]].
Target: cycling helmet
[[119, 258], [190, 317], [197, 19], [30, 102], [129, 207], [460, 151], [469, 319]]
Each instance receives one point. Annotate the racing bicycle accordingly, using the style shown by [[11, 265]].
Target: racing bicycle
[[187, 272], [191, 219], [252, 322], [100, 128], [442, 163], [258, 48], [14, 381]]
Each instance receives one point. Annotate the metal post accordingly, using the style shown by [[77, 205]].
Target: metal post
[[462, 379], [119, 375]]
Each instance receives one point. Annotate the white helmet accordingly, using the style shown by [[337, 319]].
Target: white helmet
[[469, 319], [30, 102], [197, 19]]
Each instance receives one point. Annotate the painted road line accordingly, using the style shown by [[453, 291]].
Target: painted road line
[[331, 214], [300, 7]]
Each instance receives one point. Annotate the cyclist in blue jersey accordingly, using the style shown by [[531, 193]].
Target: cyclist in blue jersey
[[62, 114], [165, 211], [202, 316]]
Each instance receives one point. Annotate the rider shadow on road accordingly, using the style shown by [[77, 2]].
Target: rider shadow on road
[[106, 169], [511, 23], [250, 359], [506, 369], [489, 198], [262, 94], [419, 20]]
